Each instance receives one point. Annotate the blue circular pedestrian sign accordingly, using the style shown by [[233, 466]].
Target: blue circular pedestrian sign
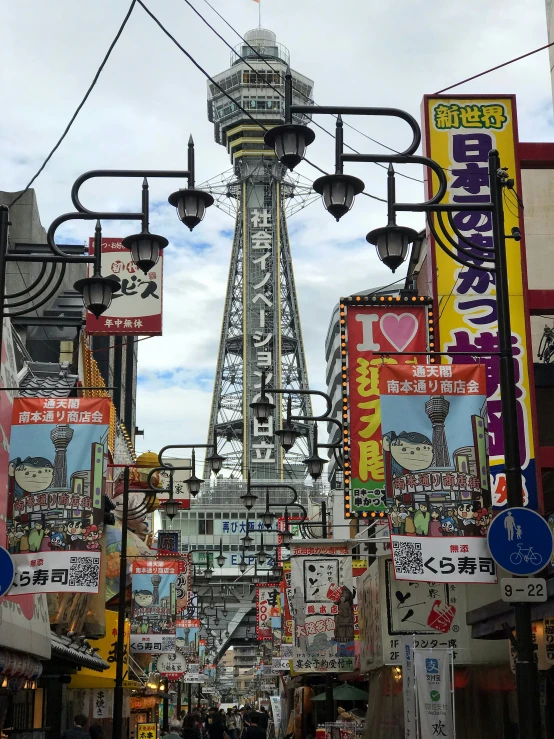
[[7, 571], [520, 541]]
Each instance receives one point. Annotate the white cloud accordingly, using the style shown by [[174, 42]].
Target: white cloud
[[150, 97]]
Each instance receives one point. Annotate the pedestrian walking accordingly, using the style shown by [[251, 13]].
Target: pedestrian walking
[[78, 729], [174, 730], [191, 730], [96, 731], [254, 730]]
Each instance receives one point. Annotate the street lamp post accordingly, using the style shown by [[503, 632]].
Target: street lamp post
[[145, 507], [392, 242], [96, 290]]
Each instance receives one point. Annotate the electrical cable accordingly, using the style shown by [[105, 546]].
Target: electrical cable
[[211, 79], [299, 92], [83, 101], [492, 69]]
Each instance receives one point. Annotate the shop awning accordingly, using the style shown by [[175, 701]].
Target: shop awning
[[488, 622], [64, 648]]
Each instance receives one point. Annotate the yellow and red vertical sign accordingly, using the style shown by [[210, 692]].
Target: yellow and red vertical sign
[[459, 133], [385, 331]]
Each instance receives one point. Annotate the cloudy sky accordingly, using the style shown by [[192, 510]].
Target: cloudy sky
[[150, 98]]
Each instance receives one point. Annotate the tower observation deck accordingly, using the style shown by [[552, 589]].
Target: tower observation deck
[[261, 323]]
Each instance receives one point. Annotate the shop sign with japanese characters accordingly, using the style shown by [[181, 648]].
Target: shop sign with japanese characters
[[268, 611], [154, 605], [180, 487], [460, 133], [435, 449], [322, 607], [136, 307], [173, 666], [55, 499], [147, 731], [453, 559], [371, 329]]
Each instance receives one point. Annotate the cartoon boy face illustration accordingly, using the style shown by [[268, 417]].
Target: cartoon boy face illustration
[[410, 450], [33, 475], [143, 598], [75, 529]]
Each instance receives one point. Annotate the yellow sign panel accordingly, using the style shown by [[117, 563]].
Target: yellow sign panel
[[460, 132], [147, 731], [107, 651]]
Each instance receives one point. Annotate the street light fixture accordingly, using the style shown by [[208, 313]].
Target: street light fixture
[[262, 408], [338, 190], [221, 558], [262, 554], [194, 482], [314, 462], [191, 204], [287, 435], [392, 241], [290, 142]]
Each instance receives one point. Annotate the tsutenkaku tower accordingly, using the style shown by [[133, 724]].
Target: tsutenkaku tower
[[261, 324]]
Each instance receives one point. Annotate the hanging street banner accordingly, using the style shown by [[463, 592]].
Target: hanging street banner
[[435, 450], [366, 330], [434, 699], [459, 133], [186, 637], [268, 611], [154, 608], [322, 607], [55, 497], [136, 307], [172, 666], [180, 487], [408, 687]]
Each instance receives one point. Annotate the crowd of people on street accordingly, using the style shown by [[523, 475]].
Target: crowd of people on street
[[214, 723]]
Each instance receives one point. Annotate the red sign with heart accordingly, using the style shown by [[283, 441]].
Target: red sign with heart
[[377, 334]]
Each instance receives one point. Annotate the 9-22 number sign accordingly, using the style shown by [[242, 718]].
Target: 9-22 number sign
[[523, 590]]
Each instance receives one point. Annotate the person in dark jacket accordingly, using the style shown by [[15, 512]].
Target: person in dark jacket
[[254, 730], [78, 730], [190, 728], [96, 731]]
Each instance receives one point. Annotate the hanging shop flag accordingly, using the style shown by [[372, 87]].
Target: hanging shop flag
[[408, 686], [136, 307], [55, 499], [368, 332], [180, 487], [434, 700], [186, 637], [459, 133], [268, 611], [435, 450], [322, 607], [154, 610]]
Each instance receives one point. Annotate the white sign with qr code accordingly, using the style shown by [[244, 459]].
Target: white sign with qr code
[[442, 559], [56, 572]]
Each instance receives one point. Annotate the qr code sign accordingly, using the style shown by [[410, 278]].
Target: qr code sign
[[84, 572], [168, 643], [408, 558]]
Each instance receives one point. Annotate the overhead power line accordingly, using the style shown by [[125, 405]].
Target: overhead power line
[[83, 101], [493, 69], [224, 92], [306, 97]]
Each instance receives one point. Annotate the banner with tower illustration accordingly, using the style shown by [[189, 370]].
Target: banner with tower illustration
[[435, 449], [154, 611], [55, 494]]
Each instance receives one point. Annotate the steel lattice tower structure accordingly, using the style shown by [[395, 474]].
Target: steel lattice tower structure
[[261, 323]]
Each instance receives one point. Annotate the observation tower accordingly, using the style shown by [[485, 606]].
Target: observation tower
[[261, 323]]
